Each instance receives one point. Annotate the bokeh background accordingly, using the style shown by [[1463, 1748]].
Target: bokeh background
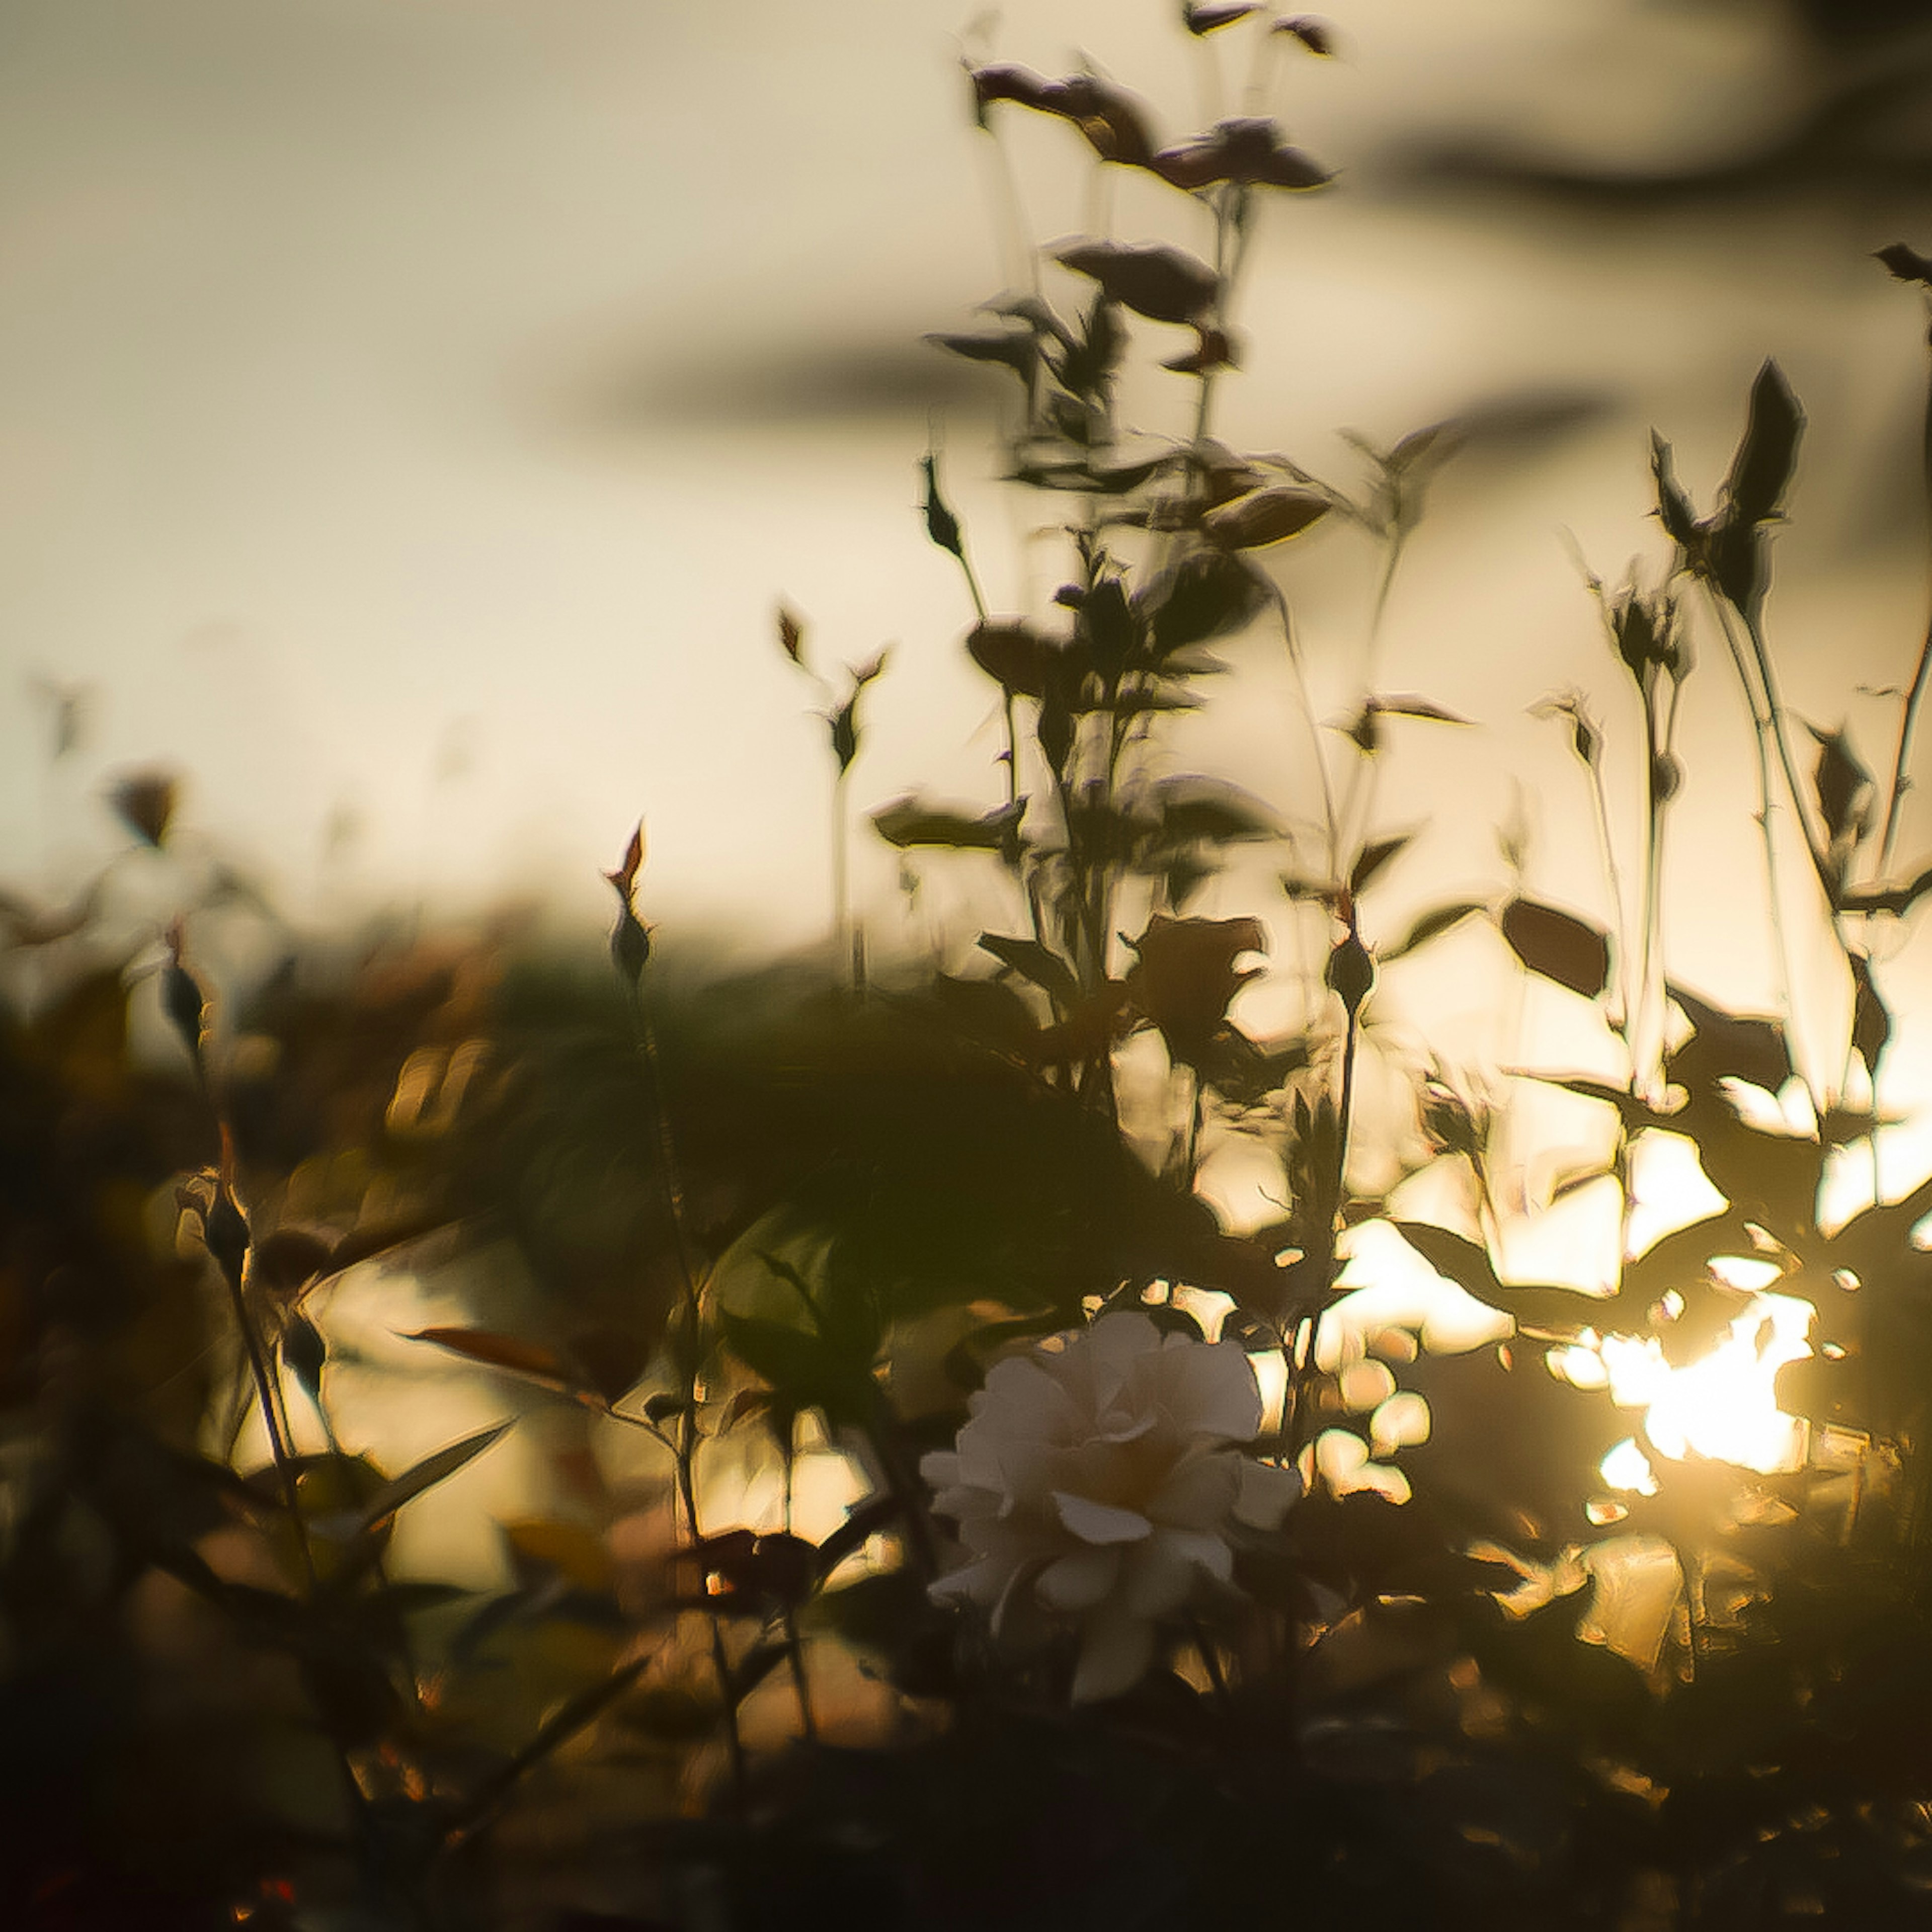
[[411, 413]]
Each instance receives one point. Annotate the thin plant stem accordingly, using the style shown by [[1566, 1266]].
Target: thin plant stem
[[1907, 723], [1762, 729], [1908, 714], [644, 1032]]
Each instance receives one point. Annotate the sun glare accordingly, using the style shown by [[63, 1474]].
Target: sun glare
[[1724, 1406]]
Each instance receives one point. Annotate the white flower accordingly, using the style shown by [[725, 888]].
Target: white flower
[[1095, 1481]]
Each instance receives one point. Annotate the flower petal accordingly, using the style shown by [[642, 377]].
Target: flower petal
[[1161, 1575], [1197, 1492], [1267, 1492], [1080, 1581], [1100, 1522], [1209, 1389]]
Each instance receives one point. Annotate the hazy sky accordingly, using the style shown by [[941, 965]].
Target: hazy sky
[[412, 410]]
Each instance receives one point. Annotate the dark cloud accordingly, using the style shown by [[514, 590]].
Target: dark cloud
[[1867, 129], [845, 381]]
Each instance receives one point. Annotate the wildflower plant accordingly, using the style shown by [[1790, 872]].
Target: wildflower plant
[[966, 1519]]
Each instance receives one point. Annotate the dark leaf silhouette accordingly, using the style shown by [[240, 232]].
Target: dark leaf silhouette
[[1200, 20], [509, 1352], [1438, 920], [1373, 857], [1845, 791], [1558, 945], [843, 724], [305, 1354], [1724, 1045], [1317, 36], [1204, 596], [1184, 975], [908, 823], [1871, 1023], [1907, 264], [1267, 516], [1213, 348], [1195, 808], [145, 802], [1032, 962], [1024, 660], [1017, 349], [1673, 507], [1407, 705], [1163, 284], [941, 525], [1455, 1259], [791, 641], [287, 1261], [1250, 152], [425, 1475], [1004, 81], [1107, 628], [1761, 470]]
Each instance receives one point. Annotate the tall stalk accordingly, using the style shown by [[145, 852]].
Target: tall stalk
[[630, 950]]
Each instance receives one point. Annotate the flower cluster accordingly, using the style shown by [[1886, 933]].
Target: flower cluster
[[1097, 1482]]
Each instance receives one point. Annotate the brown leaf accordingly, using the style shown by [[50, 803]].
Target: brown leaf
[[1559, 945], [1185, 976], [791, 635], [625, 878], [1019, 658], [509, 1352]]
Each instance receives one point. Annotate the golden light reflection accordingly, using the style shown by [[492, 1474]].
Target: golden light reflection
[[1724, 1406]]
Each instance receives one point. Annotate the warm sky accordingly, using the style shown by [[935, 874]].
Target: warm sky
[[412, 410]]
